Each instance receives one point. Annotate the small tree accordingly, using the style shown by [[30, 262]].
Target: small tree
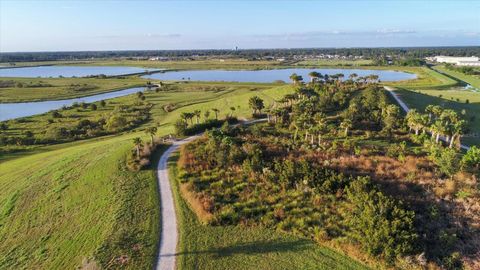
[[138, 143], [151, 131], [180, 127], [216, 111], [206, 115], [93, 107], [391, 116], [378, 223], [256, 104], [471, 160], [115, 122], [346, 125], [197, 114], [103, 103]]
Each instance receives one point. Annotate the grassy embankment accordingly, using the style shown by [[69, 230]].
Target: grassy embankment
[[473, 80], [62, 207], [39, 89], [237, 247]]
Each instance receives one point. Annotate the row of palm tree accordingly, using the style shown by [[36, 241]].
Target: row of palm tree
[[318, 77], [438, 122], [189, 116]]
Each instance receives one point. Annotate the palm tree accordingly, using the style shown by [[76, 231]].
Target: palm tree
[[353, 76], [314, 76], [197, 114], [138, 143], [320, 121], [216, 111], [151, 131], [414, 120], [185, 116], [256, 104], [458, 129], [190, 117], [232, 110], [295, 78], [346, 125], [206, 114]]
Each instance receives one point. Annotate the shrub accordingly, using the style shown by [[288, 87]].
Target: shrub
[[56, 114], [378, 223], [447, 159], [471, 160], [115, 123]]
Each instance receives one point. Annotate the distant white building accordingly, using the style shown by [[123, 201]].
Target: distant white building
[[469, 63], [460, 61]]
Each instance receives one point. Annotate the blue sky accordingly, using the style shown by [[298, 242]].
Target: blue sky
[[130, 25]]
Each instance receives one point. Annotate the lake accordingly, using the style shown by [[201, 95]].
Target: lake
[[268, 76], [23, 109], [69, 71]]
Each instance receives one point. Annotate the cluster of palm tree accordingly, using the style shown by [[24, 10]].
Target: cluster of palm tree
[[138, 142], [439, 122], [316, 77], [196, 114]]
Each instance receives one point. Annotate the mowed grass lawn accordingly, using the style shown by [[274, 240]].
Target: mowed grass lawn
[[39, 89], [62, 207], [237, 247], [427, 79], [473, 80]]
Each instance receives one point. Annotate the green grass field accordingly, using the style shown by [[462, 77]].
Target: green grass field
[[237, 247], [428, 79], [65, 206], [473, 80], [61, 88]]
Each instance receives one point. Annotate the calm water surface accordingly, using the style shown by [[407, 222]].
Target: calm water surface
[[69, 71], [16, 110], [268, 76]]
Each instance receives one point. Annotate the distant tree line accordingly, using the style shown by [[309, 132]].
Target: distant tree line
[[372, 53]]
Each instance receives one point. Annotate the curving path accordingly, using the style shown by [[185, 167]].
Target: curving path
[[169, 235]]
